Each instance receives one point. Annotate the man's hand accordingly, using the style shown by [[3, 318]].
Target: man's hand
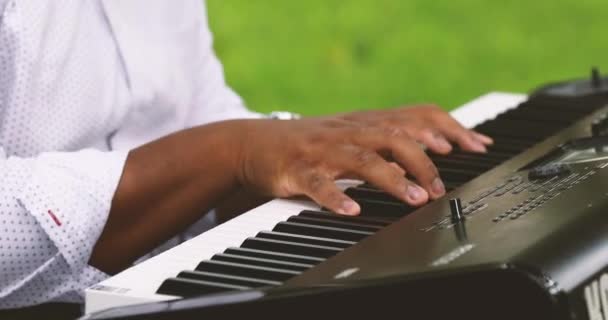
[[428, 124], [305, 157]]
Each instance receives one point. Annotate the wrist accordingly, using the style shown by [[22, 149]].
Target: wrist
[[284, 115]]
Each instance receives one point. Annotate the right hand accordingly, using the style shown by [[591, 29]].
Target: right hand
[[305, 157]]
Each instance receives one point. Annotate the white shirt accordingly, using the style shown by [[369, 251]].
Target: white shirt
[[81, 83]]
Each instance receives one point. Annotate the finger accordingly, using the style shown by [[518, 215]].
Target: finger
[[454, 131], [371, 167], [417, 163], [422, 132], [323, 190], [407, 153], [434, 140], [398, 167], [483, 138]]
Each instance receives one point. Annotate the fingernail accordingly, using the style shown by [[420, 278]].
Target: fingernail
[[349, 207], [479, 147], [414, 193], [443, 144], [438, 187], [483, 138]]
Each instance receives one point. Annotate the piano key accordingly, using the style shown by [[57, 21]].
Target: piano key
[[144, 279], [555, 116], [190, 288], [376, 221], [503, 121], [291, 247], [487, 158], [457, 174], [504, 154], [244, 270], [261, 262], [321, 231], [328, 242], [517, 142], [448, 162], [376, 208], [274, 255], [486, 107], [538, 134], [372, 194], [580, 109], [335, 224], [228, 279]]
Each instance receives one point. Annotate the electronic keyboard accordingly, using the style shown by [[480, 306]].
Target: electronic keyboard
[[522, 233]]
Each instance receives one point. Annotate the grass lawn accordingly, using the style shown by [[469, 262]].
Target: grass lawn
[[324, 56]]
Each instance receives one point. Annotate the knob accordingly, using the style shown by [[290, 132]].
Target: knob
[[456, 210], [599, 126]]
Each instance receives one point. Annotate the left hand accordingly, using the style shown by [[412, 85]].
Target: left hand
[[427, 124]]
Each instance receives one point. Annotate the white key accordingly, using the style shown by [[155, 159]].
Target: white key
[[486, 107]]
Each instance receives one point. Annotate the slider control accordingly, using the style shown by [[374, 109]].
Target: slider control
[[596, 79], [456, 210]]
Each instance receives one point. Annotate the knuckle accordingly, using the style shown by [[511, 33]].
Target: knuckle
[[429, 133], [393, 132], [315, 181], [335, 197], [364, 157], [335, 122], [315, 139]]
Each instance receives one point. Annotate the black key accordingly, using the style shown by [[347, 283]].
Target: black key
[[460, 154], [244, 270], [506, 148], [228, 279], [446, 162], [372, 194], [520, 144], [190, 288], [374, 221], [274, 255], [334, 224], [261, 262], [477, 157], [518, 129], [456, 175], [290, 247], [555, 116], [368, 185], [383, 208], [305, 239], [321, 231]]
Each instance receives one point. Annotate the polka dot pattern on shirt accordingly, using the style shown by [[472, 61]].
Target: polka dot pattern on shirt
[[53, 206]]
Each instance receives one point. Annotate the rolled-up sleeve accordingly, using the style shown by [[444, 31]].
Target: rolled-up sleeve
[[53, 208]]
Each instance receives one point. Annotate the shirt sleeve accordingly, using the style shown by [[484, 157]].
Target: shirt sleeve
[[215, 100], [53, 208]]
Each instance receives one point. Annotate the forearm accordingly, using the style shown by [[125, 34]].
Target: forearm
[[166, 185]]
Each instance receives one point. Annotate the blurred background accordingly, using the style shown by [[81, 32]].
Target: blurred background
[[325, 56]]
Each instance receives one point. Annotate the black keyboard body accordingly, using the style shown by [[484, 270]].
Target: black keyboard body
[[533, 244]]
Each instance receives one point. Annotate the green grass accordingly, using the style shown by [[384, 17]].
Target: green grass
[[325, 56]]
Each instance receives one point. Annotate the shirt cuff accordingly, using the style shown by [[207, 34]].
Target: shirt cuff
[[70, 195]]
